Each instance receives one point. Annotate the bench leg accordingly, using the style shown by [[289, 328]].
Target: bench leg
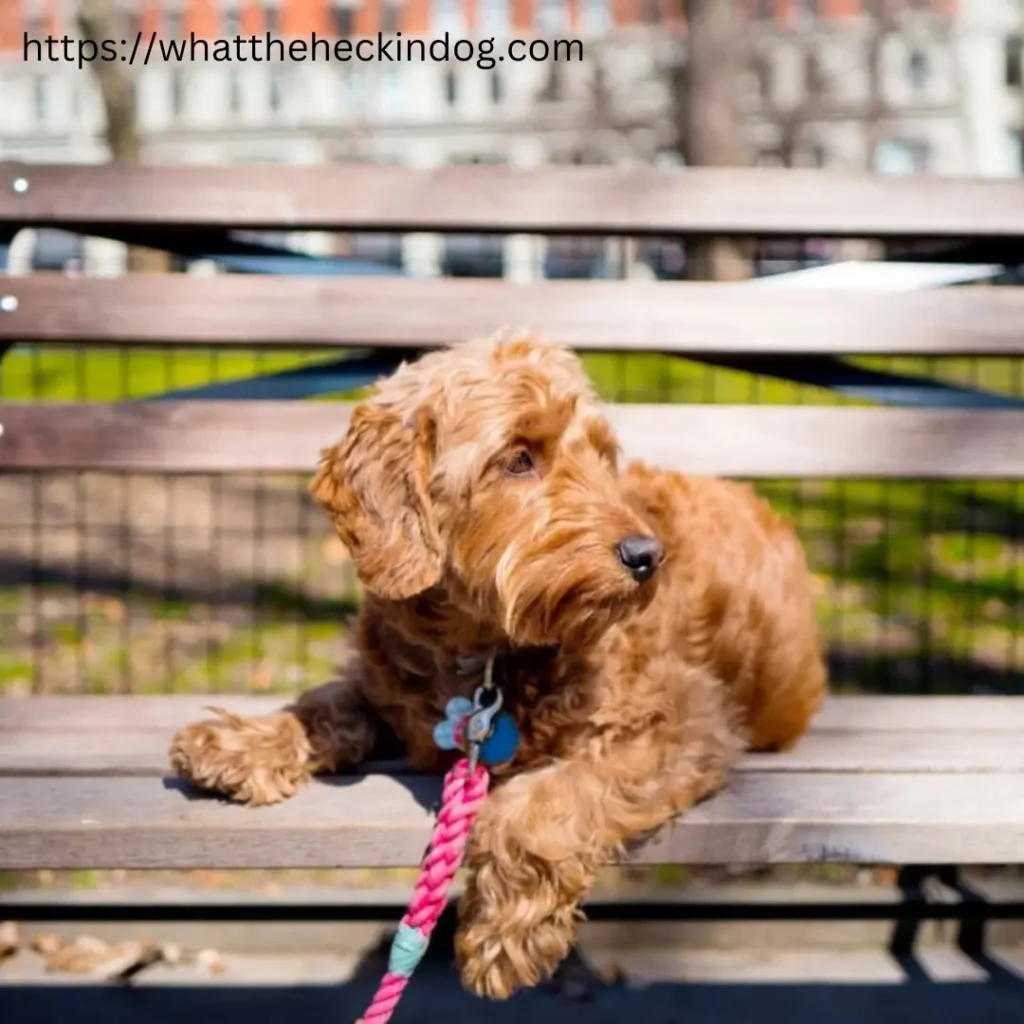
[[265, 759]]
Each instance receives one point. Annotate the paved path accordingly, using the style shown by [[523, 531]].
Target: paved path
[[941, 986]]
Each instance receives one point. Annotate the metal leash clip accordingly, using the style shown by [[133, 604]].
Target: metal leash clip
[[481, 721], [480, 727]]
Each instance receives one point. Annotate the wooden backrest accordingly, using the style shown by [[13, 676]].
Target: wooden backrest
[[485, 198], [629, 316]]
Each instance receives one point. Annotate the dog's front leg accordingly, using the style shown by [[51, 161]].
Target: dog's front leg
[[542, 836], [538, 844], [264, 759]]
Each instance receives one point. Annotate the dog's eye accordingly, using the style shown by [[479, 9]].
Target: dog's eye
[[519, 463]]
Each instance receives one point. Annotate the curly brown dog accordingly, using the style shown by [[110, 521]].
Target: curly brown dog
[[651, 626]]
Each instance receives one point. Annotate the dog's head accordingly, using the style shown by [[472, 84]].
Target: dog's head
[[489, 470]]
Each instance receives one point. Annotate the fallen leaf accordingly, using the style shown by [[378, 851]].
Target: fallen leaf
[[172, 953], [78, 957], [46, 944], [211, 960], [886, 876], [10, 939]]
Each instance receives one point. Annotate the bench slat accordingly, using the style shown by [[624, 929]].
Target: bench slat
[[620, 315], [382, 821], [143, 752], [576, 200], [741, 441], [855, 713]]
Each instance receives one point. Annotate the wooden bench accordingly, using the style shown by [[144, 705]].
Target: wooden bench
[[892, 780]]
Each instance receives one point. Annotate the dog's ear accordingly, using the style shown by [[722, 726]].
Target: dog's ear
[[374, 485]]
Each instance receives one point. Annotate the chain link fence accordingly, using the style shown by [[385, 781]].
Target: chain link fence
[[153, 584]]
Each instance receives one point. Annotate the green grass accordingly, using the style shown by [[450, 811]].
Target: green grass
[[60, 640], [912, 573], [108, 375], [655, 378], [105, 374]]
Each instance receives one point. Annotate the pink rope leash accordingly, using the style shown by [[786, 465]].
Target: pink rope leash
[[465, 789]]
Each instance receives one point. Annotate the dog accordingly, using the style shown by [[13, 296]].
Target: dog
[[646, 628]]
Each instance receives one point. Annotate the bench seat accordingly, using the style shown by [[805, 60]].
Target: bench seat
[[83, 784]]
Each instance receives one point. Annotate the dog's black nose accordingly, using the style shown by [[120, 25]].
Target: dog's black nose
[[640, 555]]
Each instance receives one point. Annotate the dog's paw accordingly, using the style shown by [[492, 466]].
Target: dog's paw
[[495, 960], [253, 761]]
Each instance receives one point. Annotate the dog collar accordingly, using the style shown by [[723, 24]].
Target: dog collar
[[472, 664]]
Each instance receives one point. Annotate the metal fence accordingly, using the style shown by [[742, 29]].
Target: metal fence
[[135, 583]]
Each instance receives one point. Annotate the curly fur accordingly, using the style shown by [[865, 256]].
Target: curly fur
[[480, 495]]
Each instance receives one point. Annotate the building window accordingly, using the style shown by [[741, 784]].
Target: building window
[[40, 98], [552, 16], [596, 18], [275, 91], [172, 25], [353, 86], [344, 22], [448, 17], [389, 18], [815, 82], [270, 19], [553, 89], [497, 88], [902, 156], [232, 25], [495, 17], [1014, 73], [391, 93], [765, 9], [177, 92], [451, 88], [1015, 151], [819, 155], [234, 93], [764, 74], [917, 69]]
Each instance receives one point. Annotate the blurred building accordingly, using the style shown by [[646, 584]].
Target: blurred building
[[901, 86], [925, 86]]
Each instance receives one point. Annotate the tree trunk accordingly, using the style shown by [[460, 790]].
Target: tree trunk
[[99, 20], [714, 125], [874, 122]]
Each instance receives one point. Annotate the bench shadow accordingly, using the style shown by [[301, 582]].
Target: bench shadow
[[435, 995], [578, 995], [424, 789]]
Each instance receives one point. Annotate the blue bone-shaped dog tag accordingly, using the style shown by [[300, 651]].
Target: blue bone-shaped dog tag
[[500, 743]]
